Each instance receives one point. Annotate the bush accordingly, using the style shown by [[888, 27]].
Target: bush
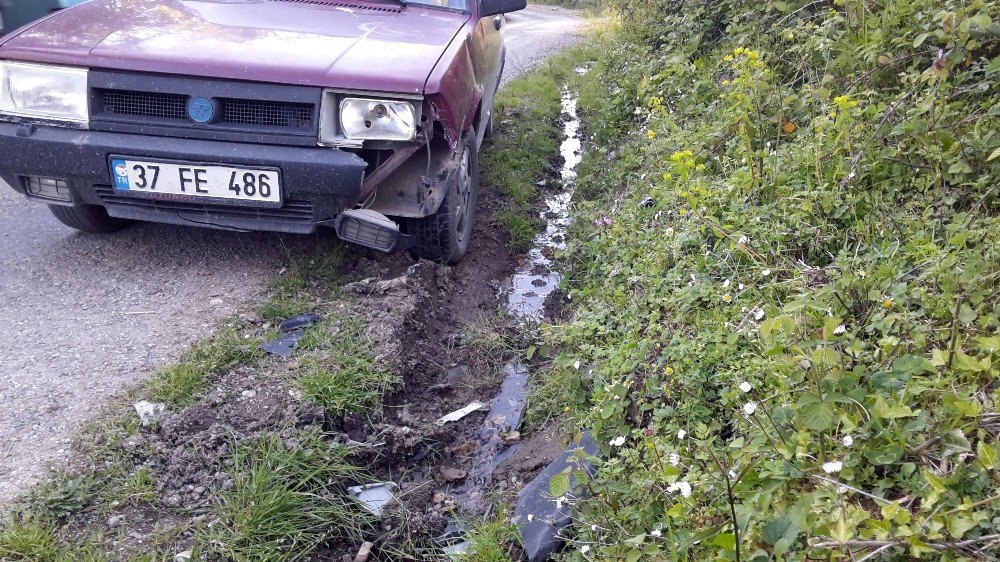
[[787, 329]]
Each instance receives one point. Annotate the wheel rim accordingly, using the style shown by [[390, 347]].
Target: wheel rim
[[463, 211]]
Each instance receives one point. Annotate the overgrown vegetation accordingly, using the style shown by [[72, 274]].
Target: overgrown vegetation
[[784, 275]]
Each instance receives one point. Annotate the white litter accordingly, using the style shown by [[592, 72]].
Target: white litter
[[149, 412], [373, 497], [459, 414]]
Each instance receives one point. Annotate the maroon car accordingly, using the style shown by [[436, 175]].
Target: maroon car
[[275, 115]]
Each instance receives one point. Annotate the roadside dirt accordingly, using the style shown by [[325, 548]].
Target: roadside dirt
[[84, 317]]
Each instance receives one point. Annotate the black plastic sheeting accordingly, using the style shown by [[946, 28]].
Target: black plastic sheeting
[[540, 532]]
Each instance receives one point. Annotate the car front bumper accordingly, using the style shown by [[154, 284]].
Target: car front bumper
[[318, 183]]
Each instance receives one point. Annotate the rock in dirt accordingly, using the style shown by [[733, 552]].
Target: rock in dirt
[[364, 553], [540, 517], [452, 474], [149, 412], [184, 556]]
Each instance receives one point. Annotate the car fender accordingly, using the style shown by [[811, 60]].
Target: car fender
[[453, 91]]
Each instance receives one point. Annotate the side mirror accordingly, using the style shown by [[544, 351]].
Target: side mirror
[[494, 7]]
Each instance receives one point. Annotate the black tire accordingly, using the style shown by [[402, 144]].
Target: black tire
[[444, 236], [88, 218]]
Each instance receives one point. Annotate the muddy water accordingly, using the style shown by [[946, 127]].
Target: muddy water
[[528, 289], [537, 278]]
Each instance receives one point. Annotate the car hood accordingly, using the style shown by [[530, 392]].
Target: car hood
[[351, 44]]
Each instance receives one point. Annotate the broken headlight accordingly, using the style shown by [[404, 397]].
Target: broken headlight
[[372, 119]]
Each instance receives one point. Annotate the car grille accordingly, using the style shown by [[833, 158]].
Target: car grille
[[271, 114], [144, 104]]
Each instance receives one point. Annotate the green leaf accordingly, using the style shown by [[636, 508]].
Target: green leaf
[[966, 314], [987, 455], [920, 39], [783, 324], [633, 556], [559, 485], [818, 416], [994, 156], [883, 410], [958, 525], [954, 442], [726, 540], [778, 529]]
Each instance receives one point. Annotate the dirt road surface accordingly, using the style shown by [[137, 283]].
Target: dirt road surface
[[83, 317]]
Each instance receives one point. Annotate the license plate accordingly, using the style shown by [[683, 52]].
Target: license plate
[[185, 182]]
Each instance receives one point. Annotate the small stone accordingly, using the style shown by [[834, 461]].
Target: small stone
[[183, 556], [99, 439], [115, 520], [512, 437], [199, 490], [137, 535], [452, 474], [542, 183], [364, 553], [149, 412], [248, 393], [173, 500]]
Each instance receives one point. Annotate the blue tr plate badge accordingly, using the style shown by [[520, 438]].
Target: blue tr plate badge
[[120, 172]]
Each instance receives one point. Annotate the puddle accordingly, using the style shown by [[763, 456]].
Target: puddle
[[537, 278]]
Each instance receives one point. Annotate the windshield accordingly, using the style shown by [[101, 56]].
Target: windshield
[[453, 4]]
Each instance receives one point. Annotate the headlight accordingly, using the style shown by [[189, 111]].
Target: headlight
[[47, 92], [369, 119]]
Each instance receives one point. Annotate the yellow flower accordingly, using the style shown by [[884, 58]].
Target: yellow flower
[[668, 176], [791, 36], [728, 298], [725, 82], [887, 303], [651, 134], [683, 212], [668, 370]]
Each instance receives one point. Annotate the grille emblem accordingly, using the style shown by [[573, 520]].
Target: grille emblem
[[200, 110]]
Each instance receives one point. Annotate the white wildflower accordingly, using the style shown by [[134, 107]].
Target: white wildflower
[[584, 549], [743, 240], [765, 273], [840, 329], [848, 440], [674, 459], [726, 283], [745, 386], [683, 487], [576, 365], [617, 441], [749, 408], [759, 315], [593, 527], [741, 286], [656, 533], [832, 467], [732, 475], [681, 434]]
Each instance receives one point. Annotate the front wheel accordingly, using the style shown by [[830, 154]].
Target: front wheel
[[88, 218], [444, 236]]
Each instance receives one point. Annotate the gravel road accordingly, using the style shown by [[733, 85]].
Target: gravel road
[[83, 317]]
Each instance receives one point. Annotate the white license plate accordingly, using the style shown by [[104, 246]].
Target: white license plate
[[181, 181]]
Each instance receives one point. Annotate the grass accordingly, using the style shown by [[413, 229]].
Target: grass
[[346, 377], [524, 147], [492, 540], [286, 501]]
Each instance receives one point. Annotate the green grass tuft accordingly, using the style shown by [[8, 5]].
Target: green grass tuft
[[287, 500]]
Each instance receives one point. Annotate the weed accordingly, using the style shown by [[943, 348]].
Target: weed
[[493, 540], [176, 385], [287, 499]]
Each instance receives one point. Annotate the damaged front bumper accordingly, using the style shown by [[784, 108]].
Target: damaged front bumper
[[318, 183]]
